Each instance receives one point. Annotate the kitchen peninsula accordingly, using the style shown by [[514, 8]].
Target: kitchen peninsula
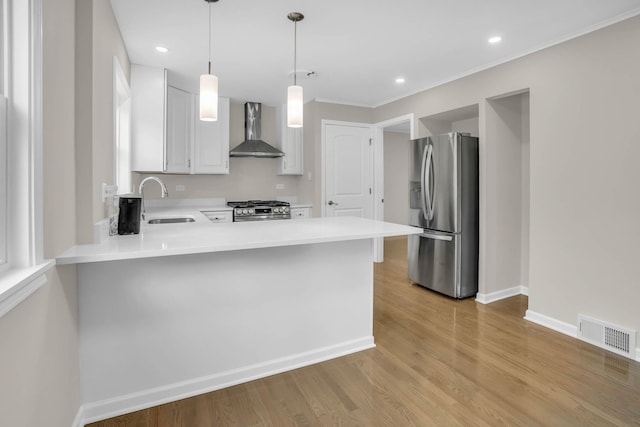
[[182, 309]]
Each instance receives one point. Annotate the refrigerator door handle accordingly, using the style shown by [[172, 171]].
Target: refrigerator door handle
[[426, 177], [436, 236], [423, 201]]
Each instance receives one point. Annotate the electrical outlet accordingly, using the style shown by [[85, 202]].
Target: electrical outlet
[[279, 186], [180, 187], [108, 191]]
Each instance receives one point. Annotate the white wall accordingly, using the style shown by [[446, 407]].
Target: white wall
[[504, 130], [39, 362], [98, 41], [396, 177], [583, 119]]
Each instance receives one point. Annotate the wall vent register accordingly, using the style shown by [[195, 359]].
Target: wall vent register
[[608, 336]]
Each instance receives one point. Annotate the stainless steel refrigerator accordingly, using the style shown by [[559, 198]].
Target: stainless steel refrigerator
[[443, 200]]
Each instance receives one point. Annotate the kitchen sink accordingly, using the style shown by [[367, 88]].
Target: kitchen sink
[[171, 220]]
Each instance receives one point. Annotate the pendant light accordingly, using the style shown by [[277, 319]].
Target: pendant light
[[209, 86], [295, 98]]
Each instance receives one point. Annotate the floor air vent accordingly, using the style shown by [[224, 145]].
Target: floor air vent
[[611, 337]]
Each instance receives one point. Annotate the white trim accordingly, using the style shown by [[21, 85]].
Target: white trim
[[36, 126], [378, 174], [3, 184], [78, 421], [350, 104], [562, 327], [24, 110], [502, 294], [17, 285], [108, 408], [551, 323]]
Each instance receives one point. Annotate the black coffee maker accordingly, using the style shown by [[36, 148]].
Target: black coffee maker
[[129, 214]]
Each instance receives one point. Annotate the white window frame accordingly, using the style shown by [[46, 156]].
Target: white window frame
[[23, 272], [3, 137]]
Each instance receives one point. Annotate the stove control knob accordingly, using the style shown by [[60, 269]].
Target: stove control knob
[[251, 211], [277, 210], [244, 211], [285, 210]]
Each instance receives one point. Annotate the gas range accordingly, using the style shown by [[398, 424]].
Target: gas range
[[260, 210]]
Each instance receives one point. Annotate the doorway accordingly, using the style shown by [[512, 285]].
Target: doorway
[[391, 169]]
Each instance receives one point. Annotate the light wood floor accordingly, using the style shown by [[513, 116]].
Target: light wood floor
[[437, 362]]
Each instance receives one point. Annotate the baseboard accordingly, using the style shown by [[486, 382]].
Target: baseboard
[[100, 410], [498, 295], [551, 323], [78, 421], [559, 326]]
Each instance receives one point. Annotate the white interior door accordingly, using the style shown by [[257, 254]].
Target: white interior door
[[348, 177]]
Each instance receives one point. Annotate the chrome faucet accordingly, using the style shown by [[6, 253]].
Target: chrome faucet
[[165, 193]]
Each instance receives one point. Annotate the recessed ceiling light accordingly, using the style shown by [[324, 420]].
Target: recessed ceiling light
[[495, 39], [400, 80], [162, 49]]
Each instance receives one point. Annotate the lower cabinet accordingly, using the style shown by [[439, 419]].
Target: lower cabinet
[[300, 213], [219, 216]]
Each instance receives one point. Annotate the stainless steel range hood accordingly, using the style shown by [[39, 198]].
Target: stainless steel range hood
[[253, 146]]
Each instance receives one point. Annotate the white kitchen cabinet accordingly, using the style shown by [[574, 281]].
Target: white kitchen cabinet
[[300, 213], [211, 146], [290, 142], [167, 135], [179, 136], [219, 216], [148, 96]]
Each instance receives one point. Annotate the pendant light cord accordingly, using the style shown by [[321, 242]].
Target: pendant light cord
[[295, 51], [209, 37]]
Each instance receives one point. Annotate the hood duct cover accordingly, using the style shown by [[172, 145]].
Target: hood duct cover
[[253, 146]]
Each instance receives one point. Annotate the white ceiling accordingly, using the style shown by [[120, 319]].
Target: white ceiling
[[356, 47]]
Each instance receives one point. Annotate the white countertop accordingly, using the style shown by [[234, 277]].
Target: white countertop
[[203, 236]]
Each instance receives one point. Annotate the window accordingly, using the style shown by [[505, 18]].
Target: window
[[23, 266]]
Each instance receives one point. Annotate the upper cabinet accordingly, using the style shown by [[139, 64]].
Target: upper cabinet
[[179, 131], [211, 148], [148, 94], [167, 135], [290, 140]]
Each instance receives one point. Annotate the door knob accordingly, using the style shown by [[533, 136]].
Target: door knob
[[331, 203]]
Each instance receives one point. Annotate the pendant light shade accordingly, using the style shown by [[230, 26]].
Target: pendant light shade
[[208, 98], [295, 97], [209, 86], [295, 106]]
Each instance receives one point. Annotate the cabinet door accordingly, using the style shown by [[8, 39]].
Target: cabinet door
[[147, 118], [212, 142], [179, 130], [219, 216], [290, 142], [300, 213]]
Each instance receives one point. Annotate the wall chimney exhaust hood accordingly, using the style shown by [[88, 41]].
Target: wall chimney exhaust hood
[[253, 146]]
